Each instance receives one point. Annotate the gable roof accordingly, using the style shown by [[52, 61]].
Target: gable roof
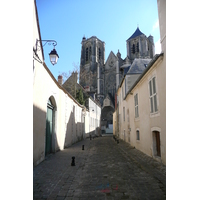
[[138, 66], [111, 54], [136, 33], [112, 100]]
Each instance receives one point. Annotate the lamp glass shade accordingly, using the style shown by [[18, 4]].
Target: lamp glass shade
[[53, 56]]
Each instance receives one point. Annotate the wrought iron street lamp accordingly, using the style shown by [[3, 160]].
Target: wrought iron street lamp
[[52, 55]]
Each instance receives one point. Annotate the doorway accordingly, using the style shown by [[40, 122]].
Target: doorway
[[156, 143], [49, 128]]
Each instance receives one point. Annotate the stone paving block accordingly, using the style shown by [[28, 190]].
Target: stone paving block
[[103, 170], [60, 198]]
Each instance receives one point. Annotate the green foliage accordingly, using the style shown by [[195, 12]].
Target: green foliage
[[80, 97]]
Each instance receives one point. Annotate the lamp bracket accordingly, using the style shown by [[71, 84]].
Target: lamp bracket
[[53, 42], [36, 57]]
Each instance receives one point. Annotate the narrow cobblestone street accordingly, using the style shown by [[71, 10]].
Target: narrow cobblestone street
[[103, 170]]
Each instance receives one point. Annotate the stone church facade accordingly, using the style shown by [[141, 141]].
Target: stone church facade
[[101, 79]]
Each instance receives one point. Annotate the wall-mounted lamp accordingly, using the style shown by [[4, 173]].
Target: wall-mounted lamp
[[52, 55]]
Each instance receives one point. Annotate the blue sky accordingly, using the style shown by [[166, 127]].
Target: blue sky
[[112, 21]]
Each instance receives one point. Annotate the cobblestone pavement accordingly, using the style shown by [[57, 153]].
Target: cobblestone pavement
[[103, 170]]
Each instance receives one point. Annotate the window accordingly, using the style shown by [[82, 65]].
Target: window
[[124, 113], [133, 48], [153, 95], [136, 106], [90, 52], [137, 135], [86, 57], [99, 53]]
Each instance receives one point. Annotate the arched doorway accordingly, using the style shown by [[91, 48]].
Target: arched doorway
[[107, 119], [50, 126]]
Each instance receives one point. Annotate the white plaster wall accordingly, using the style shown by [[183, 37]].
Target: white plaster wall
[[94, 117], [147, 122], [68, 113], [74, 124], [87, 124], [39, 110], [123, 125]]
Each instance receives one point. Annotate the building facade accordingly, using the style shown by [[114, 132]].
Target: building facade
[[140, 115], [58, 119], [142, 111]]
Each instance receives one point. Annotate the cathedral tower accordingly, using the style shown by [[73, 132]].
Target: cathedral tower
[[139, 46], [92, 58]]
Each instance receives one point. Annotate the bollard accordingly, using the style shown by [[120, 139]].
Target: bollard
[[117, 141], [90, 137], [73, 161], [82, 147]]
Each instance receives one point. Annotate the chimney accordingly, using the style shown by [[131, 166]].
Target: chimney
[[60, 79]]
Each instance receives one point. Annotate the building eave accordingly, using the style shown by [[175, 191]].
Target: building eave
[[150, 65], [38, 25], [61, 87]]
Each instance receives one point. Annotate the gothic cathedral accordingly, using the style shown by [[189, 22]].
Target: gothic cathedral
[[101, 79]]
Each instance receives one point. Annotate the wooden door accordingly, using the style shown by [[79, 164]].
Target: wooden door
[[49, 122], [158, 143]]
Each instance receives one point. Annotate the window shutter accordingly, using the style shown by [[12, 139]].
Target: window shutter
[[150, 89], [155, 103], [154, 85], [151, 104]]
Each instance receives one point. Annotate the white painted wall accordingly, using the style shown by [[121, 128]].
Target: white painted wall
[[146, 123], [69, 123], [94, 116]]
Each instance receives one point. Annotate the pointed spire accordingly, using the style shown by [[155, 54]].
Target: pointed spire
[[136, 33], [118, 54]]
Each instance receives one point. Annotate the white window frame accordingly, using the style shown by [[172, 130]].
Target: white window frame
[[153, 95], [136, 106]]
